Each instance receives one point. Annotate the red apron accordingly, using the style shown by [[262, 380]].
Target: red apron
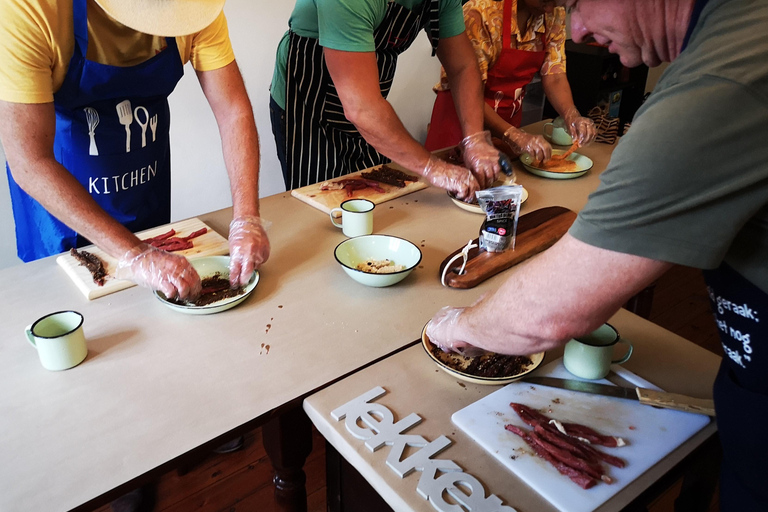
[[504, 90]]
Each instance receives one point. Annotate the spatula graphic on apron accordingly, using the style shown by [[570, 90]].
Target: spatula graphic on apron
[[125, 114]]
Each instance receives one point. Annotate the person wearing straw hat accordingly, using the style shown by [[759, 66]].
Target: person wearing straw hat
[[83, 98]]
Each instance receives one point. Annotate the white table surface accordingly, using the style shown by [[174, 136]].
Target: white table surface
[[157, 384], [414, 384]]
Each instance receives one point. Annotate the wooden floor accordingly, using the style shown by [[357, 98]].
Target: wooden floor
[[242, 481]]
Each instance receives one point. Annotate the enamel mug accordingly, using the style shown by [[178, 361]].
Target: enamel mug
[[59, 340]]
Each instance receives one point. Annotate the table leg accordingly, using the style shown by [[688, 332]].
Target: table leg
[[288, 443]]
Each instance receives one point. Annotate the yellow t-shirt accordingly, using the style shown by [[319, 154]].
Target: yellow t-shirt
[[37, 42]]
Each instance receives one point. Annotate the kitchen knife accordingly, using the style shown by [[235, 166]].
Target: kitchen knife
[[643, 395]]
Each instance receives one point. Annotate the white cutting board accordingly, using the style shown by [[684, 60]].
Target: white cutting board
[[209, 244], [650, 433]]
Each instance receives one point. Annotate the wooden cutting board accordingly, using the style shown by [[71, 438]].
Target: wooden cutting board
[[536, 231], [326, 200], [208, 244], [650, 434]]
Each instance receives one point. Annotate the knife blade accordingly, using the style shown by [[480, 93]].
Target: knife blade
[[644, 396]]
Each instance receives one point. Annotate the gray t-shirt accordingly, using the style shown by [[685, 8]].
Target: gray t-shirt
[[688, 183]]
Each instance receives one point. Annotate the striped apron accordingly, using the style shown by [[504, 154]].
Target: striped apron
[[321, 143]]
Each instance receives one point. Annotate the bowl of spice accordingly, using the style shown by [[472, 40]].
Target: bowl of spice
[[377, 260], [216, 294]]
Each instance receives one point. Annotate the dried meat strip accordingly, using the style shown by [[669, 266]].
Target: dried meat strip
[[579, 478], [93, 263], [389, 175], [170, 243]]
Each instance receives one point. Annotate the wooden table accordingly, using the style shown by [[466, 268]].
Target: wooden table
[[414, 385], [158, 385]]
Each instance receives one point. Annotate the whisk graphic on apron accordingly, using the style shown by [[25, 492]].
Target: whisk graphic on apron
[[92, 117]]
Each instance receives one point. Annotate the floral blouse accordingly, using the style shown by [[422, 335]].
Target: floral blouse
[[484, 22]]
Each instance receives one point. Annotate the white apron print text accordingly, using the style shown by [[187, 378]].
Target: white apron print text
[[126, 115], [744, 339]]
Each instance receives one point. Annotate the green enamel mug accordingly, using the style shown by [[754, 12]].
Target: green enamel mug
[[59, 340], [591, 356]]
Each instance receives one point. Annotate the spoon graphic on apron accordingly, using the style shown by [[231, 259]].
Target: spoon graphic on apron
[[143, 125], [125, 115]]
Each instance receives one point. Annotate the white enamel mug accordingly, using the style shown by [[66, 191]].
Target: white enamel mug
[[59, 340], [356, 217]]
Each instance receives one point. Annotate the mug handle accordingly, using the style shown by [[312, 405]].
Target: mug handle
[[333, 220], [30, 336], [627, 355], [548, 136]]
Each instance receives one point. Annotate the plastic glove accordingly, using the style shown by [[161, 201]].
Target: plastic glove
[[159, 270], [581, 129], [453, 178], [535, 145], [481, 157], [248, 248], [441, 331]]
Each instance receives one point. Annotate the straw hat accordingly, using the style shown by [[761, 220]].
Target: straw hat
[[164, 17]]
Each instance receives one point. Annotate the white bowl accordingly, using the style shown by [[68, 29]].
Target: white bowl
[[207, 266], [356, 250]]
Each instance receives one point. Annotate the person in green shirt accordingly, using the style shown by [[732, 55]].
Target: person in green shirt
[[687, 185], [333, 71]]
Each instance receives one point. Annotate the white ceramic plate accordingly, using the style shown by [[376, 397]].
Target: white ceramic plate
[[474, 207], [583, 164], [458, 363], [206, 267]]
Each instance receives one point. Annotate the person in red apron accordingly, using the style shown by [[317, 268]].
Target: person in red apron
[[318, 131], [112, 138], [531, 41]]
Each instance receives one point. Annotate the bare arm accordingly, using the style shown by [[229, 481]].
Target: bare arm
[[356, 78], [458, 58], [27, 133], [546, 302], [225, 91], [558, 92], [248, 242]]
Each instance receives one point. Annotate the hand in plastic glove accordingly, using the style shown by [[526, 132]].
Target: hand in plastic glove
[[248, 248], [153, 268], [481, 157], [581, 129], [453, 178], [522, 142], [443, 329]]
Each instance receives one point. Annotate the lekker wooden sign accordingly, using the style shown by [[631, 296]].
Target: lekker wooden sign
[[208, 244], [536, 231]]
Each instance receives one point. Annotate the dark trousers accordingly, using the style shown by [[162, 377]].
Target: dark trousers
[[277, 116]]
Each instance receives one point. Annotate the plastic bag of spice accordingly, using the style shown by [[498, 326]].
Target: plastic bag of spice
[[502, 208]]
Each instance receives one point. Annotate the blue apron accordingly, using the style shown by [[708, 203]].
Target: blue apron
[[112, 134]]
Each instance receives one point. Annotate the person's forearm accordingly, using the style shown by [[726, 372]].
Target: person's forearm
[[61, 194], [240, 145], [494, 122], [540, 307], [460, 63], [558, 92], [380, 126]]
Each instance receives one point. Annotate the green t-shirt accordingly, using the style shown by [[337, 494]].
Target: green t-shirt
[[688, 184], [348, 25]]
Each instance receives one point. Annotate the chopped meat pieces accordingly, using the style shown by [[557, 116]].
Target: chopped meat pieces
[[563, 446], [487, 365], [389, 175], [215, 288], [93, 263]]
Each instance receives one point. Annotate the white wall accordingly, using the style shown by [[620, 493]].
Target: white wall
[[199, 179]]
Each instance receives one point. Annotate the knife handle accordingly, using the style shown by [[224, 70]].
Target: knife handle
[[676, 402]]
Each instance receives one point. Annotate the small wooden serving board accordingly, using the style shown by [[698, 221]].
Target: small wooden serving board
[[536, 231], [326, 200], [209, 244]]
